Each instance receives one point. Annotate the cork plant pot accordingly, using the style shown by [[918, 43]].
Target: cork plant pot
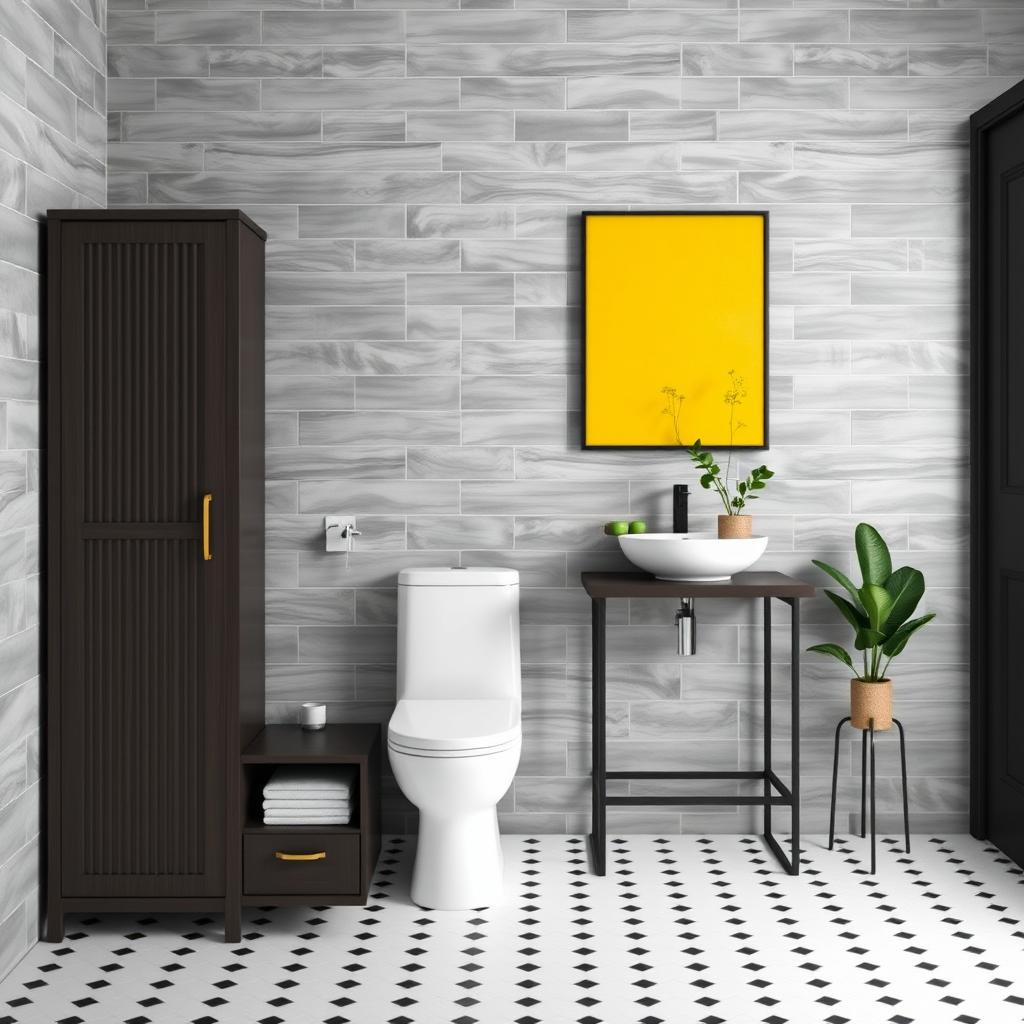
[[735, 527], [871, 700]]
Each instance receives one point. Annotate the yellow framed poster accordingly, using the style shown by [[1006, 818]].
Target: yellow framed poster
[[675, 329]]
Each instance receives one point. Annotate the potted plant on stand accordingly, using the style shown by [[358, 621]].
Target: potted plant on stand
[[735, 522], [879, 611]]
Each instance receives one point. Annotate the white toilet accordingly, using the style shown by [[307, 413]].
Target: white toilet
[[455, 737]]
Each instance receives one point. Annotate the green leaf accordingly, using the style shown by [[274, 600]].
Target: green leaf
[[767, 473], [853, 615], [705, 481], [844, 581], [741, 487], [757, 485], [877, 603], [906, 588], [867, 638], [873, 555], [835, 651], [895, 644]]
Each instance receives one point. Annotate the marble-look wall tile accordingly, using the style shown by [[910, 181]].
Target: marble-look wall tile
[[573, 125], [487, 60], [326, 463], [421, 170], [921, 26], [53, 138], [332, 26], [271, 61], [718, 59], [451, 462], [852, 61], [212, 126], [650, 26], [485, 26], [512, 93], [827, 26], [669, 125], [362, 357], [452, 532], [459, 125], [827, 124], [268, 156], [363, 126]]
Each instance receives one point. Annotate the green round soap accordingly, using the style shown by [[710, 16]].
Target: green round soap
[[616, 529], [638, 526]]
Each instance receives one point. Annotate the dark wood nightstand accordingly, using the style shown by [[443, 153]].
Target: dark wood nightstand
[[286, 865]]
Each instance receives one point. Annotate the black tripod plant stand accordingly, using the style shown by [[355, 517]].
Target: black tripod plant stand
[[868, 747]]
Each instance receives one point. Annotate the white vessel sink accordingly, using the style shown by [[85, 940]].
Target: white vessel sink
[[698, 557]]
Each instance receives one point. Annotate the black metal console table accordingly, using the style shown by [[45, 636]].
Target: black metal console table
[[603, 586]]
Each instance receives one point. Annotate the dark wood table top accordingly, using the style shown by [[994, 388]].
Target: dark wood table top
[[291, 744], [743, 584]]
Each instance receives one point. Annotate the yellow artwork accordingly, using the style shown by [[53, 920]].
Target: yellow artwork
[[674, 300]]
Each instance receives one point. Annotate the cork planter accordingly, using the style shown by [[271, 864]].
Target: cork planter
[[735, 527], [871, 700]]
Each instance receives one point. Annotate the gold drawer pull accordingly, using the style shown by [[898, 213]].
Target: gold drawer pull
[[319, 855], [207, 553]]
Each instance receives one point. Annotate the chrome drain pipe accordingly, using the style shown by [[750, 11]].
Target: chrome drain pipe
[[686, 628]]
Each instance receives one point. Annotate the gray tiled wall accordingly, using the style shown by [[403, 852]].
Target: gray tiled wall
[[52, 153], [420, 167]]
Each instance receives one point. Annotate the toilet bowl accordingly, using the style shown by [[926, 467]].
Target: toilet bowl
[[455, 737]]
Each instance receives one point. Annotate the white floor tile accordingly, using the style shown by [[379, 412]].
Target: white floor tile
[[703, 929]]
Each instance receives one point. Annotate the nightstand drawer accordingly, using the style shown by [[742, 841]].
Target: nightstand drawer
[[301, 862]]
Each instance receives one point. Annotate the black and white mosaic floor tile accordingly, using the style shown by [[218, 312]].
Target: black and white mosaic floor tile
[[694, 929]]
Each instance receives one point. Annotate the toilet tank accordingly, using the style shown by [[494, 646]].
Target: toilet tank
[[458, 634]]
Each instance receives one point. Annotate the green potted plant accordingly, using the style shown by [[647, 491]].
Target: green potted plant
[[736, 522], [880, 613]]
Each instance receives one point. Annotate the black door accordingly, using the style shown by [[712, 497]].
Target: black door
[[997, 521], [141, 376]]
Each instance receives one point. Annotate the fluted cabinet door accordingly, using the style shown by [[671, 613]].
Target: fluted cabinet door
[[142, 376]]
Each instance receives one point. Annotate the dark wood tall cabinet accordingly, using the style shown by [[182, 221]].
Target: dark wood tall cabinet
[[155, 604]]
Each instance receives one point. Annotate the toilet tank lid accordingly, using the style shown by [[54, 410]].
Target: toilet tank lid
[[470, 576]]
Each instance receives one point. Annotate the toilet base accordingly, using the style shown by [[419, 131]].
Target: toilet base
[[459, 864]]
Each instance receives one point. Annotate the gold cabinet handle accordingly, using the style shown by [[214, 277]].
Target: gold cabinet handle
[[207, 502], [319, 855]]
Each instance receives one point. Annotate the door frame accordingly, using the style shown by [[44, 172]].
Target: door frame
[[990, 116]]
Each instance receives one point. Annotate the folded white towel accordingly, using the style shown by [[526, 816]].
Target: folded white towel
[[339, 780], [274, 818], [287, 812], [309, 796], [285, 804]]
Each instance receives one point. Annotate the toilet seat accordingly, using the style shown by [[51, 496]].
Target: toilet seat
[[454, 728]]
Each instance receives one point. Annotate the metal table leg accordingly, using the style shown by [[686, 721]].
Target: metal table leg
[[792, 795], [794, 698], [598, 764], [767, 655], [903, 772], [871, 731], [835, 779], [863, 783]]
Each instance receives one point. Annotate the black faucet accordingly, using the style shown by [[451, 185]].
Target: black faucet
[[680, 509]]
